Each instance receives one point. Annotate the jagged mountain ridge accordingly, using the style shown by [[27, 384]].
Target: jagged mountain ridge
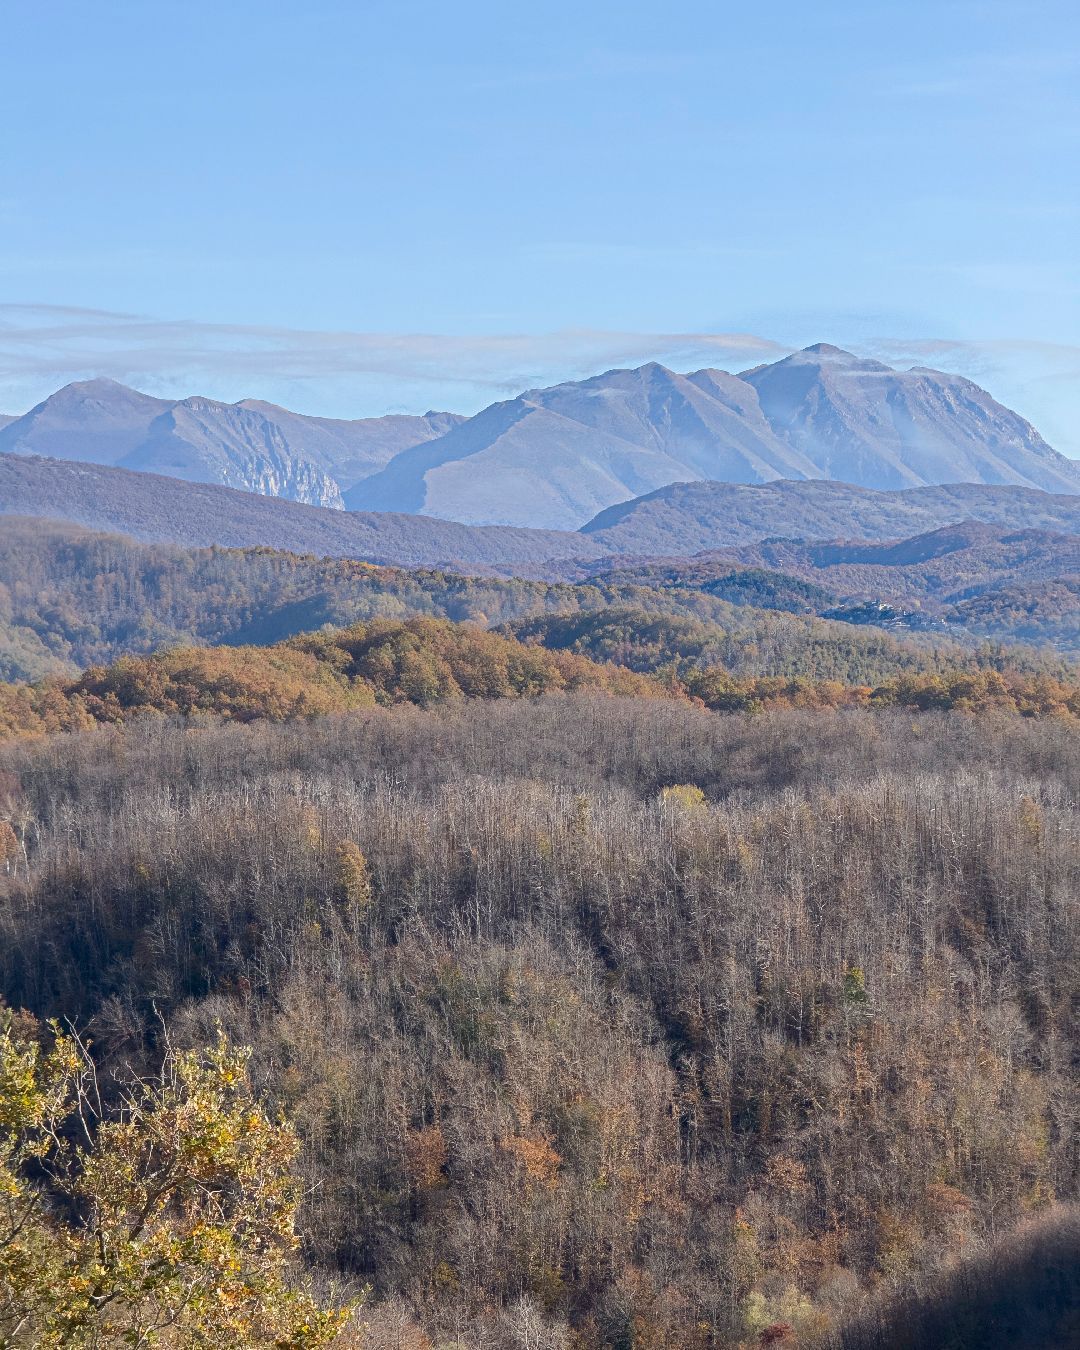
[[251, 445], [555, 457]]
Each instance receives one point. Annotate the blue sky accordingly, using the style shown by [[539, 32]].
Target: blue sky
[[357, 207]]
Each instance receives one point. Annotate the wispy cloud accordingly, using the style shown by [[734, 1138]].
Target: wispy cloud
[[41, 346]]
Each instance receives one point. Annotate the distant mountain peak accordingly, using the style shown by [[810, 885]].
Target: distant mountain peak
[[827, 349], [100, 382], [554, 457], [551, 455]]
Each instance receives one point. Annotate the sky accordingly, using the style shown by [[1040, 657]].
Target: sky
[[359, 207]]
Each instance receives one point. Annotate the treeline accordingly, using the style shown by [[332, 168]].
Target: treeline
[[431, 661], [773, 644], [421, 661], [605, 1022]]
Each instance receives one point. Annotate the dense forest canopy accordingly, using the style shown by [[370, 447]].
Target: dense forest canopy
[[431, 661], [604, 1021]]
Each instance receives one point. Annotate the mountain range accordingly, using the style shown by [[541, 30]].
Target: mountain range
[[554, 458], [251, 445]]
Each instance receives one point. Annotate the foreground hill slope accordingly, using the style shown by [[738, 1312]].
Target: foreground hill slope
[[605, 1022]]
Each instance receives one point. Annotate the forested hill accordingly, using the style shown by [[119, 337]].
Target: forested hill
[[715, 515], [70, 598], [154, 507], [427, 662], [985, 579], [605, 1020]]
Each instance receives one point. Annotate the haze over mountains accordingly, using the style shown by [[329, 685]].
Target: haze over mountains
[[553, 458]]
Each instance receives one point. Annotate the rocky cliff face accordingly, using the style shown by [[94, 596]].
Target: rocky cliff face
[[205, 441], [251, 445]]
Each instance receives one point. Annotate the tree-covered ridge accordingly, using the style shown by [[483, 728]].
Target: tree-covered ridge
[[426, 662], [421, 661], [978, 579], [770, 646]]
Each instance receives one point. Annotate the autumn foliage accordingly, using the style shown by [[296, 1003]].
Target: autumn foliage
[[166, 1221], [432, 661]]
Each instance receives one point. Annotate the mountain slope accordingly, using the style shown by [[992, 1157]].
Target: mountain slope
[[556, 456], [98, 421], [553, 456], [863, 422], [681, 519], [252, 445], [158, 508]]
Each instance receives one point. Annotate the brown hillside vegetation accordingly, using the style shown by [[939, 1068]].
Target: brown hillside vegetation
[[70, 598], [431, 661], [420, 661], [605, 1022]]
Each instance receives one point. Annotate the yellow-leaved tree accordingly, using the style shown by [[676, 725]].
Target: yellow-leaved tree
[[167, 1222]]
